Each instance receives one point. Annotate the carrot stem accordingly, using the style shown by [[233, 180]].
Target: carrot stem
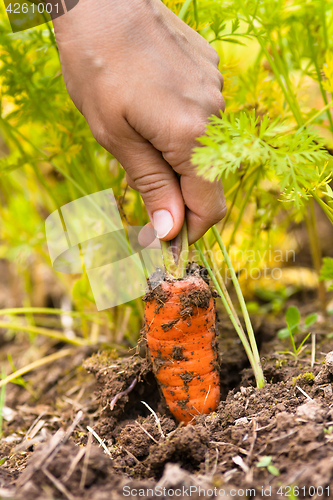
[[258, 372], [242, 209], [223, 288], [175, 254], [240, 331]]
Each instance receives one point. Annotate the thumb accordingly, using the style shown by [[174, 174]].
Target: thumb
[[152, 176]]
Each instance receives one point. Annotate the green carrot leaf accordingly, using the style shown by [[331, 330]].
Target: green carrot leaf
[[311, 319]]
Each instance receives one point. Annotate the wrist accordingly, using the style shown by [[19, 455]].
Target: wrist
[[99, 25], [116, 10]]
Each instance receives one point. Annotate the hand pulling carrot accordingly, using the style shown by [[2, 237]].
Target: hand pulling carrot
[[180, 332]]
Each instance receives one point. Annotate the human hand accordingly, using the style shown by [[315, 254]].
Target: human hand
[[147, 84]]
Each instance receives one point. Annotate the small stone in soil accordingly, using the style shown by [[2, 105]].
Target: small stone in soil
[[329, 362], [311, 410]]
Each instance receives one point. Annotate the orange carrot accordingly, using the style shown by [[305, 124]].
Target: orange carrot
[[180, 330]]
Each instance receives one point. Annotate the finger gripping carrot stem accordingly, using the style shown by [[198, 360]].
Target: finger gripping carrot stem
[[180, 331]]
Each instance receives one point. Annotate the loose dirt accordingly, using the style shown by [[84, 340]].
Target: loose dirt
[[272, 442]]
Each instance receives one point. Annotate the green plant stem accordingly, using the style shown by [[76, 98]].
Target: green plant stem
[[258, 374], [310, 220], [2, 399], [292, 341], [195, 10], [226, 219], [44, 331], [299, 348], [223, 287], [322, 90], [328, 210], [274, 67], [184, 9], [48, 190], [51, 34], [314, 117], [253, 343], [323, 23], [175, 254], [282, 65], [48, 310], [242, 210], [242, 179]]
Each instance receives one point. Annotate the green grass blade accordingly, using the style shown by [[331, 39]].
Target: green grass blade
[[46, 332]]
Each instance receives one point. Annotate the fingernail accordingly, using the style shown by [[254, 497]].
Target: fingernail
[[163, 222]]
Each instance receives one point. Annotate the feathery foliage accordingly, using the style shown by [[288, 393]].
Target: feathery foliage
[[298, 160]]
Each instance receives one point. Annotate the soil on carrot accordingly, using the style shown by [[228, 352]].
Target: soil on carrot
[[275, 441], [184, 350]]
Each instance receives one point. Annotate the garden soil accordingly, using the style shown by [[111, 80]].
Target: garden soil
[[47, 452]]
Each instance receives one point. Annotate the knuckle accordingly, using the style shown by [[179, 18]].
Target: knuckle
[[214, 56], [172, 157], [150, 183], [222, 212], [219, 104], [199, 129], [213, 219], [184, 139], [192, 124], [130, 182], [221, 79], [101, 135], [217, 213]]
